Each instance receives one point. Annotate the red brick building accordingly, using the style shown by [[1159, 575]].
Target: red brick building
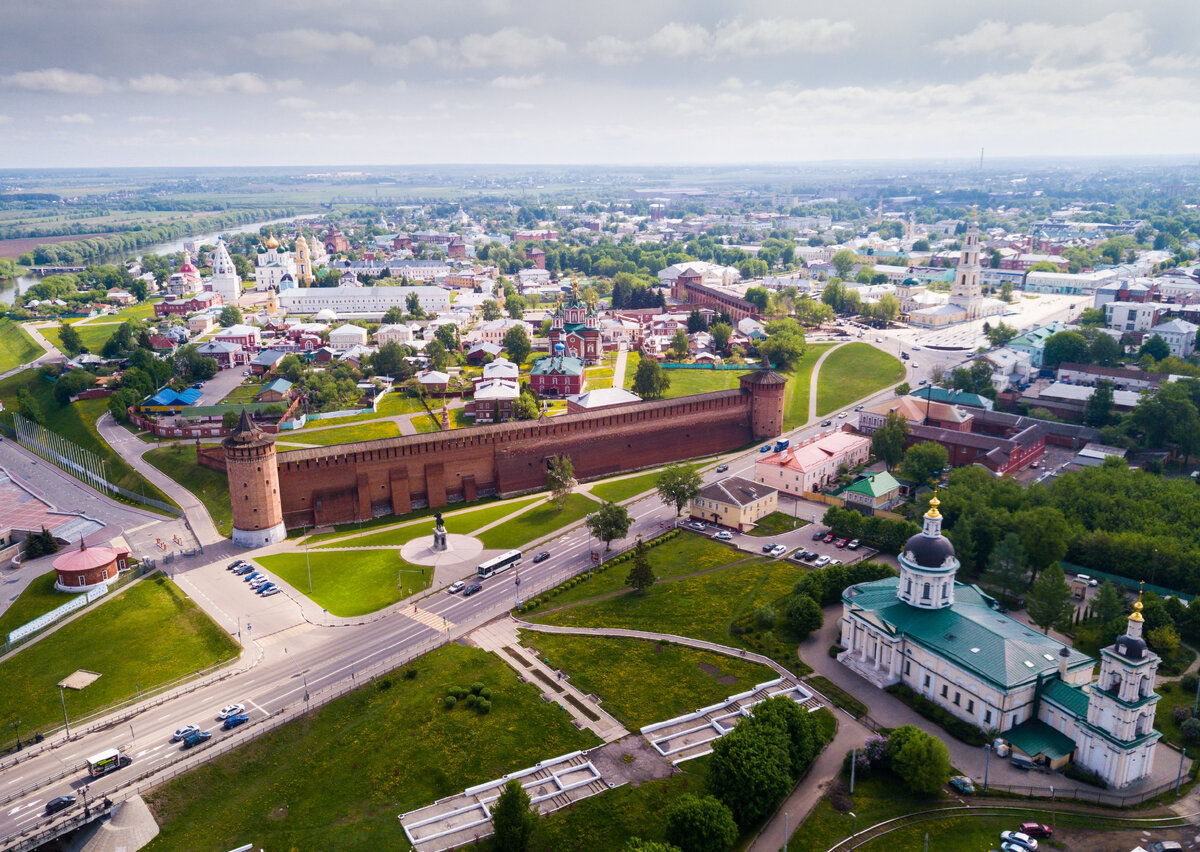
[[576, 327], [557, 375], [182, 307], [83, 569], [456, 249], [537, 256]]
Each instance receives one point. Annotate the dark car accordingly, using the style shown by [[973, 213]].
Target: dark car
[[233, 721], [541, 557], [818, 535], [768, 547], [472, 589], [826, 422], [59, 803], [196, 737], [721, 468]]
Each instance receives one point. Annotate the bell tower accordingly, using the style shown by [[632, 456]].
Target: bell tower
[[928, 565], [253, 485]]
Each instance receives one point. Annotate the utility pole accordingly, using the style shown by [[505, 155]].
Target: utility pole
[[63, 698]]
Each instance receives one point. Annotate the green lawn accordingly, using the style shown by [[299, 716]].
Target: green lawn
[[704, 607], [339, 777], [684, 554], [641, 682], [146, 635], [76, 422], [777, 523], [424, 424], [838, 696], [795, 407], [688, 382], [462, 523], [1173, 696], [617, 490], [93, 336], [876, 798], [537, 522], [245, 392], [854, 371], [178, 461], [16, 346], [396, 403], [349, 583], [38, 598], [346, 434]]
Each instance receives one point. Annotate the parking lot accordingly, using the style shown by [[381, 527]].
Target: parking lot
[[800, 539]]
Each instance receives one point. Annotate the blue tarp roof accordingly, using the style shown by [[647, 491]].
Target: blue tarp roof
[[166, 396]]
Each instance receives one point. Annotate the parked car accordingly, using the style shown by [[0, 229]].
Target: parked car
[[252, 576], [818, 534], [1021, 839], [258, 581], [922, 382], [183, 732], [265, 587], [768, 547], [778, 550], [835, 562], [231, 710], [821, 561], [840, 543], [854, 544], [270, 592], [198, 385], [472, 589], [541, 557], [233, 566], [59, 803], [233, 721], [963, 785], [828, 539], [721, 468], [244, 570], [456, 587], [723, 535], [696, 525], [1036, 829], [197, 737], [1166, 846]]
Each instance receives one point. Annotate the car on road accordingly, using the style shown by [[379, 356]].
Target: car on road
[[724, 535], [842, 416], [921, 382], [696, 525], [854, 544], [1166, 846], [778, 550], [963, 785], [456, 587], [273, 591], [231, 710], [828, 539], [826, 422], [1036, 829], [198, 385], [915, 365], [879, 340], [858, 408], [766, 449], [59, 803], [821, 561], [183, 732], [472, 589], [721, 468], [768, 547], [233, 721], [194, 739], [916, 348], [1022, 840], [541, 557]]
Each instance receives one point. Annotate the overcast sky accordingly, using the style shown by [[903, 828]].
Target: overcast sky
[[259, 82]]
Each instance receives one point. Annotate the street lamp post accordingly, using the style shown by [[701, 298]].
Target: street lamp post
[[1179, 780], [63, 698], [517, 584], [1053, 811], [987, 762]]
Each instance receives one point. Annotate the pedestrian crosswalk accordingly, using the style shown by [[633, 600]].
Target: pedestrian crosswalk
[[427, 618]]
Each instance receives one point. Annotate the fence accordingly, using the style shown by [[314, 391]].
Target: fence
[[57, 613], [1091, 796], [672, 365]]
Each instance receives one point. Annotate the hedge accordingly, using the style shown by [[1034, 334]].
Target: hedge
[[954, 726]]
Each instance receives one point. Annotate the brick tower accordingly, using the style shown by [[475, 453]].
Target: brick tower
[[767, 389], [253, 485]]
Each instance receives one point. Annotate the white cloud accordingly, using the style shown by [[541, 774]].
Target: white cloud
[[523, 105], [510, 47], [60, 81], [158, 84], [4, 119], [142, 119], [420, 49], [734, 83], [611, 50], [306, 42], [527, 81], [677, 40], [735, 38], [297, 103], [1116, 36], [1175, 62], [72, 118], [242, 82]]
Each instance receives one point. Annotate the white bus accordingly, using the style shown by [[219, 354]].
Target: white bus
[[503, 562], [107, 761]]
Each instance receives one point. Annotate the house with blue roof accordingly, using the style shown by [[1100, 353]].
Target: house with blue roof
[[168, 401], [948, 642]]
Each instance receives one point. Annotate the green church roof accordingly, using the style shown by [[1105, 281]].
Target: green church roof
[[875, 485]]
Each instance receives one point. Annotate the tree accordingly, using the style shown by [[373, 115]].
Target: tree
[[1008, 568], [750, 771], [609, 522], [924, 462], [679, 345], [785, 343], [678, 485], [526, 407], [1163, 640], [448, 334], [1104, 350], [1049, 600], [843, 261], [636, 844], [804, 615], [513, 819], [1044, 535], [919, 759], [1064, 347], [903, 389], [230, 315], [1000, 334], [516, 343], [560, 479], [695, 321], [721, 332], [888, 441], [759, 297], [515, 305], [804, 735], [700, 824], [28, 406], [490, 310], [641, 575], [393, 315], [1098, 410], [650, 381], [1106, 603], [412, 304], [439, 358], [1155, 347], [72, 343], [71, 384]]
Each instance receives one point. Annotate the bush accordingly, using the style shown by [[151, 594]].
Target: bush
[[483, 706], [472, 700], [486, 694], [1188, 684], [450, 702], [1181, 714], [476, 687], [1191, 730], [920, 760], [804, 615], [1078, 773], [764, 617], [410, 673], [834, 650], [384, 684], [955, 727]]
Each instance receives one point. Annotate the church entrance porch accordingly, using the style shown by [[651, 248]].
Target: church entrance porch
[[868, 665]]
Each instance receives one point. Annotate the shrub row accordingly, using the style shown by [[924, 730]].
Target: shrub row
[[954, 726], [599, 569], [478, 697]]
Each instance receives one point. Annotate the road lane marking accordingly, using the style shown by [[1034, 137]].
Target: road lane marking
[[256, 707]]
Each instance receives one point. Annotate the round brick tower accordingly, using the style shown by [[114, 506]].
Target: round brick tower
[[767, 390], [253, 485]]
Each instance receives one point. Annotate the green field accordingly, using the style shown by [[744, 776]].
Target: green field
[[338, 777], [616, 490], [688, 382], [854, 371], [795, 407], [38, 599], [462, 523], [345, 434], [93, 336], [537, 522], [349, 583], [76, 422], [178, 461], [148, 634], [642, 682], [16, 346], [776, 523], [397, 403]]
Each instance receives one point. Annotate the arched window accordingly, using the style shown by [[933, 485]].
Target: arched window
[[925, 592]]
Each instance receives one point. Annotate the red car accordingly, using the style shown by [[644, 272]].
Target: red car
[[841, 542], [828, 538], [1036, 829]]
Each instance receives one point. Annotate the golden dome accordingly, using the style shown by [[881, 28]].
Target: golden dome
[[272, 243], [934, 502], [1137, 606], [300, 241]]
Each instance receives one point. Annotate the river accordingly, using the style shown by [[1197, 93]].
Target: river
[[24, 282]]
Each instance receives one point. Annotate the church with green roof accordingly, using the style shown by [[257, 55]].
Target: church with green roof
[[948, 642]]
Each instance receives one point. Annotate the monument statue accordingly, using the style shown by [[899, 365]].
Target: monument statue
[[439, 532]]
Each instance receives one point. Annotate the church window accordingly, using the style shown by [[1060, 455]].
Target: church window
[[925, 592], [908, 586], [927, 681], [987, 717], [970, 706], [907, 667], [957, 696], [945, 591], [945, 691]]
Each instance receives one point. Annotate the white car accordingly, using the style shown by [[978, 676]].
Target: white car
[[183, 732], [842, 416], [778, 550], [724, 535], [821, 561], [1019, 839], [274, 590], [231, 710], [259, 581], [456, 587]]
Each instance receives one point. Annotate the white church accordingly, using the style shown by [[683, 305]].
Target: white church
[[946, 641], [966, 301]]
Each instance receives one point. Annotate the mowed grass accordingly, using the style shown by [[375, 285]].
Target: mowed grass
[[148, 634], [463, 523], [38, 599], [776, 523], [93, 336], [687, 382], [16, 346], [178, 461], [338, 777], [346, 434], [795, 406], [684, 554], [617, 490], [641, 682], [854, 371], [537, 522], [349, 582], [397, 403]]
